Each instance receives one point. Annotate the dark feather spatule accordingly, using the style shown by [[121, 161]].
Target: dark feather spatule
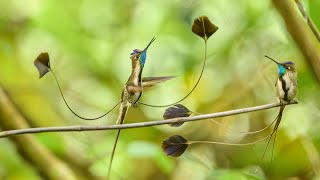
[[286, 90]]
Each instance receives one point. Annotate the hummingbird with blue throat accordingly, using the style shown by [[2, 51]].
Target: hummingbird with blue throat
[[131, 92], [286, 90], [134, 88]]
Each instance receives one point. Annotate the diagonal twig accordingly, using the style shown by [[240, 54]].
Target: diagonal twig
[[308, 45], [308, 19]]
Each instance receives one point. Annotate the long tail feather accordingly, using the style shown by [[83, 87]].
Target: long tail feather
[[274, 131], [73, 112], [120, 120], [194, 87], [239, 131], [273, 145]]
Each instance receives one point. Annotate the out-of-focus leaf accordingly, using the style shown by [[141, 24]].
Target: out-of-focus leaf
[[203, 27], [42, 63], [174, 145], [175, 111], [231, 174], [254, 172], [142, 149]]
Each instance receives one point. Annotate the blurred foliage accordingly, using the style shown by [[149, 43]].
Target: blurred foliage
[[89, 43]]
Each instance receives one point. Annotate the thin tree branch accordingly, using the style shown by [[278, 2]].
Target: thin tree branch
[[311, 24], [140, 124], [301, 34]]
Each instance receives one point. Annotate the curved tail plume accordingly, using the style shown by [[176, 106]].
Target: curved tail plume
[[73, 112], [42, 63]]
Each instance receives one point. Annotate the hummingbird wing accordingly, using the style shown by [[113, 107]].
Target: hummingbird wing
[[147, 83]]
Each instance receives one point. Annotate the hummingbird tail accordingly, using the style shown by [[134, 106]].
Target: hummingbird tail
[[120, 120], [239, 131], [73, 112], [274, 131], [190, 92]]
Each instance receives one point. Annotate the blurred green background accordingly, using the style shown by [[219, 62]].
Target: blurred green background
[[89, 43]]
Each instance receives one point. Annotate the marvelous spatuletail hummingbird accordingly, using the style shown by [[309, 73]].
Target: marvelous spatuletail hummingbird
[[131, 92], [286, 90], [134, 88]]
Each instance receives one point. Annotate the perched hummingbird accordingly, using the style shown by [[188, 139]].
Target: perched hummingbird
[[131, 92], [286, 89], [134, 88]]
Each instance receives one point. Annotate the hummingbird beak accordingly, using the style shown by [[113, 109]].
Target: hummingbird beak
[[271, 59], [145, 49], [143, 54], [281, 69]]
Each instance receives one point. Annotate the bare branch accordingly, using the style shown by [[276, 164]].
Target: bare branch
[[301, 34], [308, 19], [140, 124]]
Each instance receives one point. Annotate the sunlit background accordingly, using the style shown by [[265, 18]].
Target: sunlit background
[[89, 43]]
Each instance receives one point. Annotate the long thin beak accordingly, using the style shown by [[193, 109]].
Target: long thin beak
[[271, 59], [145, 49]]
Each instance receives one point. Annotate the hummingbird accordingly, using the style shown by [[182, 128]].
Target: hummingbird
[[286, 90], [134, 88], [131, 92]]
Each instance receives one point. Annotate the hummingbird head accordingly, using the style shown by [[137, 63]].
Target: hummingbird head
[[284, 67], [140, 55]]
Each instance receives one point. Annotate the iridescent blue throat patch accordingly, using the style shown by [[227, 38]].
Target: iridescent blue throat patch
[[281, 70], [143, 57]]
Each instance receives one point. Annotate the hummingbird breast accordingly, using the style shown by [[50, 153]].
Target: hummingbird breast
[[287, 86], [130, 97]]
